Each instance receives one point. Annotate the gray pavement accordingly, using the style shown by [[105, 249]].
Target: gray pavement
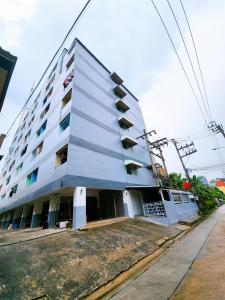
[[161, 280]]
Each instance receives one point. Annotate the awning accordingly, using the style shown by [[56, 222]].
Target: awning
[[121, 105], [133, 164], [115, 77], [127, 141], [119, 92], [124, 122]]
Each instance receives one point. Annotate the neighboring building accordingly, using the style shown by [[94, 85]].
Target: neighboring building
[[75, 155], [203, 180], [7, 64]]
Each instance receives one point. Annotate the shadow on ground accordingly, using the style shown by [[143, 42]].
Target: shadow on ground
[[70, 265]]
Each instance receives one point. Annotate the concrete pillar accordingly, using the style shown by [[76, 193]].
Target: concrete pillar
[[127, 202], [53, 212], [26, 214], [79, 207], [4, 219], [37, 213], [9, 219], [17, 218]]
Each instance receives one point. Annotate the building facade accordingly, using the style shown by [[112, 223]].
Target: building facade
[[75, 155]]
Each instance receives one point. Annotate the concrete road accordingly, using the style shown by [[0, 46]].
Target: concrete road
[[194, 268]]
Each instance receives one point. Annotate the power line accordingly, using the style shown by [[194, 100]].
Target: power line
[[197, 57], [182, 66], [189, 58], [56, 53]]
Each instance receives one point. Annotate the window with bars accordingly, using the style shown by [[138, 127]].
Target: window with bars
[[67, 98]]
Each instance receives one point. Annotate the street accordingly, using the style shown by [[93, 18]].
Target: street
[[194, 268]]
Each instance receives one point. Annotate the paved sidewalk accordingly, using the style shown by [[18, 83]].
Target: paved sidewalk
[[206, 278]]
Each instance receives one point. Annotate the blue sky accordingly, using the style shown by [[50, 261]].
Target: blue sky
[[128, 38]]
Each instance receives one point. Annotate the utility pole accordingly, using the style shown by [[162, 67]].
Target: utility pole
[[216, 128], [187, 150], [158, 144]]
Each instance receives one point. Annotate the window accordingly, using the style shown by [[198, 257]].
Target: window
[[131, 170], [52, 71], [13, 190], [4, 174], [50, 82], [37, 150], [70, 62], [61, 156], [177, 198], [42, 128], [1, 187], [185, 198], [26, 116], [65, 123], [47, 96], [24, 124], [32, 177], [16, 150], [3, 196], [24, 150], [19, 168], [45, 111], [8, 180], [19, 139], [35, 106], [27, 136], [12, 165], [68, 79], [32, 119], [67, 98]]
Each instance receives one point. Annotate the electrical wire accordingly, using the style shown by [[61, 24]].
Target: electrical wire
[[53, 58], [189, 58], [178, 56], [197, 57]]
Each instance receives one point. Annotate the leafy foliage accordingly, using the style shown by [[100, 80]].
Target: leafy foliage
[[207, 195]]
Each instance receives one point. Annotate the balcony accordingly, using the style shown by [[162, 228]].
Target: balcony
[[125, 123], [115, 77], [128, 142], [119, 92], [122, 106]]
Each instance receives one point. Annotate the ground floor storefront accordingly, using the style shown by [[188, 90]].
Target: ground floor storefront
[[75, 207]]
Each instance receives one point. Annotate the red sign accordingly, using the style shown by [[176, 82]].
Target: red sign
[[186, 185]]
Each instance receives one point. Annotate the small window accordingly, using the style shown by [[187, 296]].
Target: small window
[[16, 150], [32, 177], [24, 150], [8, 180], [61, 156], [37, 150], [3, 196], [32, 119], [131, 171], [12, 165], [185, 198], [50, 82], [23, 126], [42, 128], [27, 136], [68, 79], [177, 198], [45, 111], [13, 190], [65, 123], [19, 139], [70, 62], [19, 168], [1, 187], [4, 174], [35, 106], [47, 96], [67, 98]]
